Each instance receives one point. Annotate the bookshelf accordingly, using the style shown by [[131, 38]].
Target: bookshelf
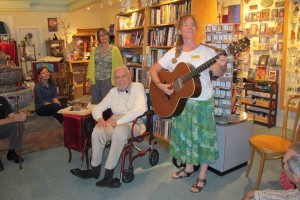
[[144, 35]]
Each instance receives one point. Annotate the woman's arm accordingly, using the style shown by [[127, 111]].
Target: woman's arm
[[155, 79], [220, 67]]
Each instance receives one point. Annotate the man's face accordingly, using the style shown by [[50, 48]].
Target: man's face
[[292, 177], [122, 79]]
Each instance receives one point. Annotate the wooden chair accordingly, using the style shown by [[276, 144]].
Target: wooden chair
[[272, 147], [64, 81]]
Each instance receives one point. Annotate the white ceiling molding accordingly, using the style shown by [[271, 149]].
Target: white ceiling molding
[[15, 5]]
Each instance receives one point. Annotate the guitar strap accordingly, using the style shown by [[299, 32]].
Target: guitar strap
[[217, 50]]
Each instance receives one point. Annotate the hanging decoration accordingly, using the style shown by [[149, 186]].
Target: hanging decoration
[[266, 3]]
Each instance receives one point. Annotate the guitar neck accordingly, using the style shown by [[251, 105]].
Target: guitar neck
[[201, 68]]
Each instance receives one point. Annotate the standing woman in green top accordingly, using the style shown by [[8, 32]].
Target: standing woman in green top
[[104, 59]]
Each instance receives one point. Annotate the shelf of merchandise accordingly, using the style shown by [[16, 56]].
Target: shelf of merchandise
[[27, 55], [262, 104], [55, 48], [266, 27], [225, 90]]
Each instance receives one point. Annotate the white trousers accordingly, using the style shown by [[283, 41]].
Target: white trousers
[[118, 136]]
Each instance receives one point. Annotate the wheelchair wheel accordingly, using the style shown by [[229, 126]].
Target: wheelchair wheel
[[153, 157], [180, 164], [128, 176]]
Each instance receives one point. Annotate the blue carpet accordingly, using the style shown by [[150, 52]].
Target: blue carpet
[[45, 175]]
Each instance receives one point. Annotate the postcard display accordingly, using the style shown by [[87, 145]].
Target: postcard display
[[292, 67], [264, 27], [225, 91]]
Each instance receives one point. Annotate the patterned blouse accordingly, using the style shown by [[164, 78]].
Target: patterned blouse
[[103, 63]]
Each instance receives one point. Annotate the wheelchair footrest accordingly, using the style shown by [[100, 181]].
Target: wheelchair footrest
[[143, 152]]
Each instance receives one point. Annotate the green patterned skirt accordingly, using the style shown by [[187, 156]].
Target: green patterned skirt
[[193, 137]]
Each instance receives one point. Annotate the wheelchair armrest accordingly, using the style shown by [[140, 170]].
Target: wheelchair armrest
[[147, 113]]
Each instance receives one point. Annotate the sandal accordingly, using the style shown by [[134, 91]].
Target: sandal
[[195, 188], [177, 175]]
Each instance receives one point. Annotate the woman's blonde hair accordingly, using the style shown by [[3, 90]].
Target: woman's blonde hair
[[179, 40]]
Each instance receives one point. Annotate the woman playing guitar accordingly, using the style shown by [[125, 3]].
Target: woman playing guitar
[[193, 139]]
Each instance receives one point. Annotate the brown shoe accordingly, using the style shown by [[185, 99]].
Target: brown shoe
[[182, 173], [196, 188]]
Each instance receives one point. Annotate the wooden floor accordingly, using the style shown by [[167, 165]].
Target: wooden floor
[[39, 133]]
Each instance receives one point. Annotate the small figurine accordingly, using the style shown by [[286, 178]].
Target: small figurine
[[55, 37], [28, 39], [293, 35], [296, 7]]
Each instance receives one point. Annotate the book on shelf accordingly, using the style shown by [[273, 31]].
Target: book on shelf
[[251, 74], [263, 60], [272, 61], [274, 13], [139, 74], [263, 43], [263, 28], [162, 126], [123, 22], [281, 12], [234, 13], [261, 74], [265, 14], [255, 43], [253, 29], [278, 27], [269, 30]]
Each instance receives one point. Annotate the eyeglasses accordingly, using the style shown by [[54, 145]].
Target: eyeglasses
[[103, 35]]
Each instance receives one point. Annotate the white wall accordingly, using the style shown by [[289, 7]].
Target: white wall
[[82, 18]]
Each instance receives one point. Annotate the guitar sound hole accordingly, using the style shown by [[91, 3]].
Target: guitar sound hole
[[178, 84]]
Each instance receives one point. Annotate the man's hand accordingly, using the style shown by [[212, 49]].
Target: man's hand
[[112, 122], [20, 117], [104, 124], [248, 195]]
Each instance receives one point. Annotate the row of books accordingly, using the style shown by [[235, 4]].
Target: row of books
[[131, 39], [265, 43], [140, 75], [168, 13], [126, 22], [162, 126], [153, 55], [260, 74], [264, 29], [264, 15], [162, 37]]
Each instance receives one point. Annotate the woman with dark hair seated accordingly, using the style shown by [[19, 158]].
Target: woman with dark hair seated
[[45, 91]]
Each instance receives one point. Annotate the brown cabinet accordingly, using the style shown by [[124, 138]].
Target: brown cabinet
[[55, 48], [261, 103]]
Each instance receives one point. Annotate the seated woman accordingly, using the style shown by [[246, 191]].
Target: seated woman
[[45, 91]]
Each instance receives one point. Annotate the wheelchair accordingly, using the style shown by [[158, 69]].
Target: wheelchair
[[130, 150]]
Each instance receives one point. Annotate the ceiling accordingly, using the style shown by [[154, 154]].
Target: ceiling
[[55, 5]]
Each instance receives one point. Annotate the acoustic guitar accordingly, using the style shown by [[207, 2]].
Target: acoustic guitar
[[186, 83]]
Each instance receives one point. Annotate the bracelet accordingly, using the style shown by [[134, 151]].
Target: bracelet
[[157, 83]]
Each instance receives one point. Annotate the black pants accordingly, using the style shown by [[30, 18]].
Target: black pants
[[10, 131], [49, 110]]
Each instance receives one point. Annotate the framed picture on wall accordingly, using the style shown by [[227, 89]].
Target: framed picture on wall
[[272, 75], [52, 25]]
